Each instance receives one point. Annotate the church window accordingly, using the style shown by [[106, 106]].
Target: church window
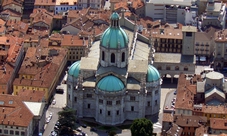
[[22, 133], [11, 132], [5, 131], [109, 102], [103, 55], [117, 112], [123, 57], [159, 68], [148, 103], [101, 101], [132, 108], [88, 106], [112, 58], [176, 68], [118, 102], [75, 99], [108, 113], [132, 98], [100, 111], [167, 67], [89, 95], [185, 68]]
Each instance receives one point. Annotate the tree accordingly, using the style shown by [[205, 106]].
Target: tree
[[67, 120], [141, 127], [112, 133]]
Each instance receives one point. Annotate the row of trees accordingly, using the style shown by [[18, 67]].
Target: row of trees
[[67, 119]]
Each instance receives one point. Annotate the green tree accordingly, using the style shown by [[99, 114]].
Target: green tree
[[141, 127], [67, 120]]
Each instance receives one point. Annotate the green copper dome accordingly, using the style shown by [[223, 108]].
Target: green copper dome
[[110, 84], [74, 69], [152, 74], [114, 36], [114, 16]]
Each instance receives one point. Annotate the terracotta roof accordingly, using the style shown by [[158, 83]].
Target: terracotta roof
[[220, 109], [121, 4], [189, 121], [38, 62], [175, 130], [41, 15], [20, 26], [8, 2], [200, 131], [73, 14], [45, 2], [14, 112], [221, 36], [44, 42], [11, 13], [31, 95], [218, 124], [167, 117], [185, 92], [72, 40]]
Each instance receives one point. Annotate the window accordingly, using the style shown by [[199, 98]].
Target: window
[[156, 102], [123, 57], [89, 95], [69, 96], [167, 67], [132, 108], [22, 133], [189, 34], [17, 132], [11, 132], [112, 58], [185, 68], [103, 55], [109, 102], [118, 102], [148, 103], [117, 112], [159, 68], [101, 101], [100, 111], [5, 131], [132, 98], [88, 106], [75, 99], [108, 113], [0, 130], [176, 68], [156, 91]]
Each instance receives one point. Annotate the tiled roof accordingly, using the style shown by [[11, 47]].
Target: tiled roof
[[7, 2], [41, 15], [218, 124], [201, 131], [167, 117], [14, 25], [45, 2], [31, 95], [175, 130], [14, 112], [186, 89], [11, 13], [189, 121], [221, 36], [71, 40], [41, 65], [220, 109]]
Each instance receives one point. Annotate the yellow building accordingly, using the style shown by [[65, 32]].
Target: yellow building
[[41, 70]]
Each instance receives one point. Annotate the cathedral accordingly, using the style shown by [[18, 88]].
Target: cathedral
[[111, 85]]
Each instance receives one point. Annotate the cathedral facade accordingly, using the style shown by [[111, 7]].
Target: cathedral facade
[[113, 87]]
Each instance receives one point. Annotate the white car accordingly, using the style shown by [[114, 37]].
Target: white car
[[51, 115], [54, 102], [48, 119]]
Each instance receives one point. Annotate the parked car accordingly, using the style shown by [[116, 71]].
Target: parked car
[[53, 133], [54, 102], [50, 115], [93, 129], [84, 125], [59, 91], [175, 92], [48, 119], [79, 129]]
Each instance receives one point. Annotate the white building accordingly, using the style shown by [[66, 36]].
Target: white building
[[115, 82]]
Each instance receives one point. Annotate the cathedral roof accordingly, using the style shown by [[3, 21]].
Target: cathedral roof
[[110, 84], [152, 74], [114, 36], [74, 69]]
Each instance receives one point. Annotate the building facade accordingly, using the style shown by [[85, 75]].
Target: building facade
[[112, 87]]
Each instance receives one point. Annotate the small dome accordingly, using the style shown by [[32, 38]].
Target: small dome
[[110, 84], [114, 16], [152, 74], [74, 69]]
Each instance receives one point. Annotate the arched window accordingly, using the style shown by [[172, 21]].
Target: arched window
[[112, 58], [123, 57], [176, 68], [103, 55], [159, 68], [185, 68]]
